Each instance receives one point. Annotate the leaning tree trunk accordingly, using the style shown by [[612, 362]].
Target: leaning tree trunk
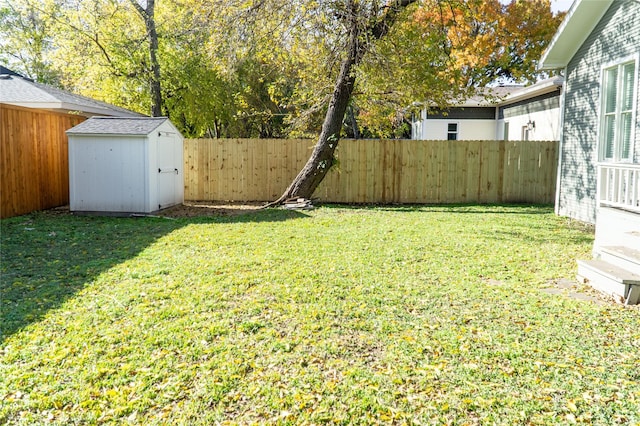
[[321, 158]]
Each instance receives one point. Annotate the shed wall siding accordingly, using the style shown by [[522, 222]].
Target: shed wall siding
[[167, 188], [616, 37], [107, 173]]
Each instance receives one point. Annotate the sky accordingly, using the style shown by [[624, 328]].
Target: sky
[[560, 5], [556, 5]]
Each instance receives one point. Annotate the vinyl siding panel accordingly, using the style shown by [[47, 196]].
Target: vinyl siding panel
[[529, 106], [616, 37], [464, 113]]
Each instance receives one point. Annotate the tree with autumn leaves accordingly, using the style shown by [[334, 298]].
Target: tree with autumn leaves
[[461, 44], [446, 50], [490, 40], [275, 68]]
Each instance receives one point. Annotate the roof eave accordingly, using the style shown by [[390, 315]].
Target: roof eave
[[66, 107], [36, 105], [482, 104], [123, 135], [533, 91], [96, 110], [548, 66], [580, 21]]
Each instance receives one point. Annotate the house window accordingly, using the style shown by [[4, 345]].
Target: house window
[[452, 131], [617, 112]]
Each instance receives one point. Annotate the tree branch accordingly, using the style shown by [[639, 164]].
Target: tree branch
[[142, 12], [392, 10]]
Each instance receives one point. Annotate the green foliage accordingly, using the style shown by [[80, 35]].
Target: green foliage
[[444, 50], [26, 34], [423, 315], [266, 68], [100, 52]]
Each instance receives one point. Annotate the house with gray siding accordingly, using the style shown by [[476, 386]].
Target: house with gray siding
[[497, 113], [597, 47]]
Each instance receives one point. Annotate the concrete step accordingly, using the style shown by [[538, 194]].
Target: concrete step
[[610, 279], [621, 256]]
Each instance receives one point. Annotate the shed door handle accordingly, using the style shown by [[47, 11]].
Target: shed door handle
[[160, 170]]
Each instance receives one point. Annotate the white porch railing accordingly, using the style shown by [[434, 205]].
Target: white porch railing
[[619, 186]]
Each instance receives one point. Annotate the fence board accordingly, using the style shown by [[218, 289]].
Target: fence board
[[375, 171], [34, 160]]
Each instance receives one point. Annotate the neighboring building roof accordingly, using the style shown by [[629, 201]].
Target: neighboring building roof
[[504, 95], [21, 91], [140, 126], [581, 19], [490, 96], [540, 88], [7, 71]]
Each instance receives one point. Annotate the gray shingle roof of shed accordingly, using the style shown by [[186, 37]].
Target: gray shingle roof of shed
[[117, 126]]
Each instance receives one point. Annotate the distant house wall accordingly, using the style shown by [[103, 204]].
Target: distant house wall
[[547, 126], [472, 123], [542, 111], [467, 129], [536, 118], [617, 36]]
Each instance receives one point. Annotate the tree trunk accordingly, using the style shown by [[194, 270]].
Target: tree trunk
[[155, 89], [351, 117], [321, 158]]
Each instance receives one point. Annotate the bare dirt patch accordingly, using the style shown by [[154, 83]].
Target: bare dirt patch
[[210, 208], [187, 209]]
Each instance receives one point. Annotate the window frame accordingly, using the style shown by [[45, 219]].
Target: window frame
[[618, 112], [456, 132]]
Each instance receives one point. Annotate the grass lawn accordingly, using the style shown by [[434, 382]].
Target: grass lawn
[[416, 315]]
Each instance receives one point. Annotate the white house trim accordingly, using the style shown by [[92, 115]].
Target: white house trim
[[563, 93], [532, 91], [581, 19], [635, 58]]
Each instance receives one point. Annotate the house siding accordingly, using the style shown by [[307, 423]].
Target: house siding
[[529, 106], [617, 36], [463, 113], [434, 129]]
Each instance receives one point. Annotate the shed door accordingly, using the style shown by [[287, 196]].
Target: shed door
[[169, 168]]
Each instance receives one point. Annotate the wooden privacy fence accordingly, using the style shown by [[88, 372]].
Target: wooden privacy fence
[[375, 171], [34, 163]]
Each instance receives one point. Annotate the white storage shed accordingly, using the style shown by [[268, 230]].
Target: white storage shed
[[125, 165]]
